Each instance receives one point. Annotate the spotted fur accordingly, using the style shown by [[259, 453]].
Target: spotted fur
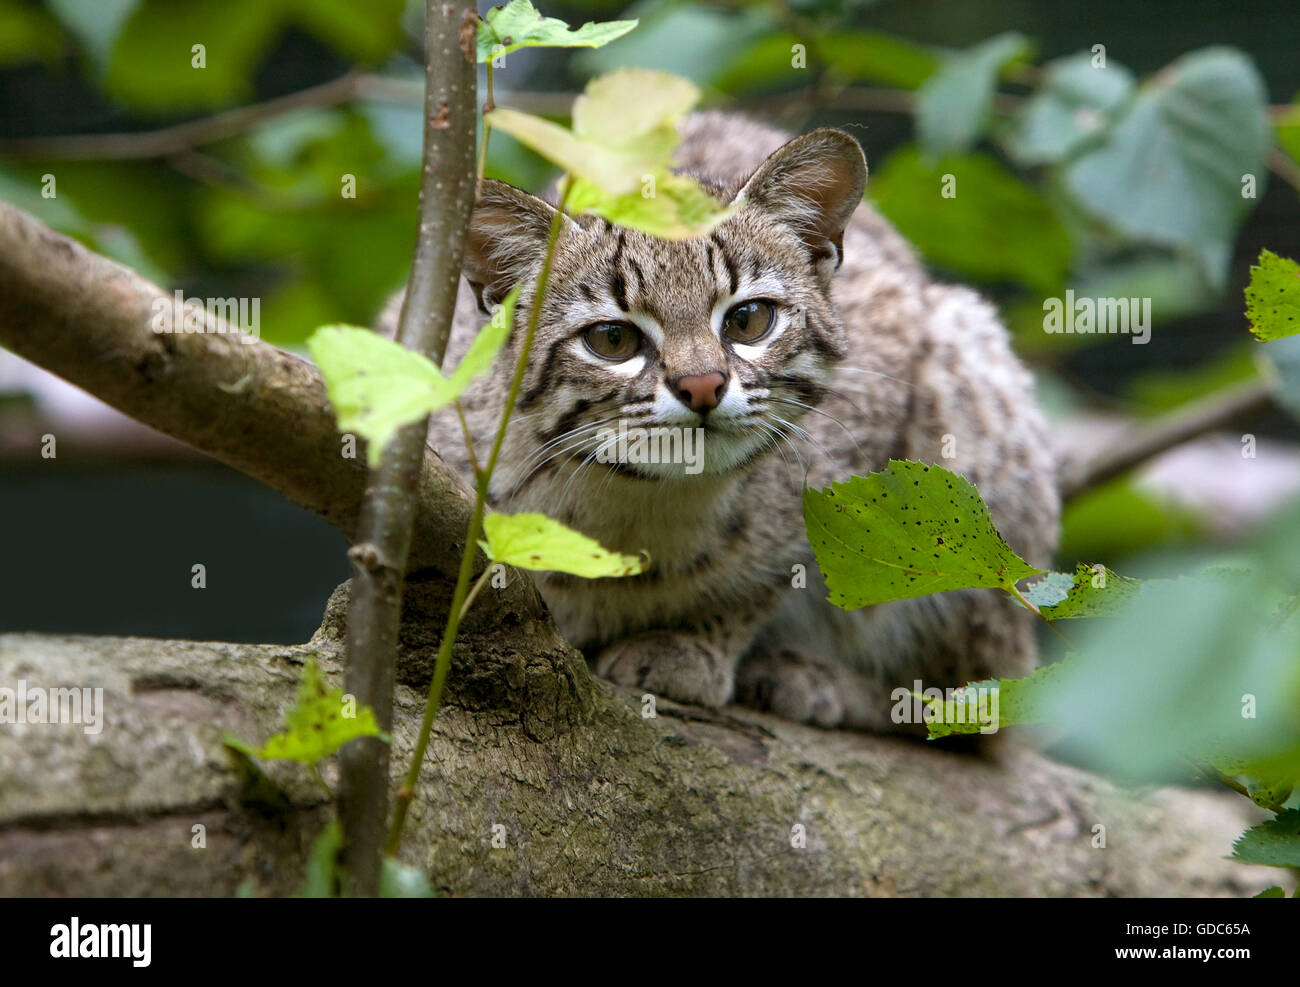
[[870, 359]]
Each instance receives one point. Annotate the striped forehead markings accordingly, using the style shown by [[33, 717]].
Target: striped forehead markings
[[617, 287], [732, 277]]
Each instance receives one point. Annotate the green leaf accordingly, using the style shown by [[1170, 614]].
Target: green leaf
[[1119, 519], [953, 106], [535, 541], [1171, 169], [1019, 702], [866, 56], [1176, 284], [152, 66], [1273, 297], [1076, 101], [319, 723], [1275, 843], [909, 530], [519, 25], [376, 386], [995, 228], [1273, 892], [1165, 388], [1269, 791], [322, 878], [1269, 781], [1093, 591]]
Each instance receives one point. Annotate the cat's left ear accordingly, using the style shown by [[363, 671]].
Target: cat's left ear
[[813, 184]]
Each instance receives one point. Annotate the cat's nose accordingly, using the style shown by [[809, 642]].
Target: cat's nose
[[700, 392]]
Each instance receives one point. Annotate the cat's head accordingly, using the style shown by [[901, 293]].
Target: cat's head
[[732, 332]]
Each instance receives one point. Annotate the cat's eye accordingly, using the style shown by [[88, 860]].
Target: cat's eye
[[749, 321], [613, 340]]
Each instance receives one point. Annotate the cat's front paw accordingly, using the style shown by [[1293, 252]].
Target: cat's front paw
[[805, 687], [676, 666], [794, 686]]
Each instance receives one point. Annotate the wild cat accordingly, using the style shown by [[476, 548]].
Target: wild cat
[[807, 343]]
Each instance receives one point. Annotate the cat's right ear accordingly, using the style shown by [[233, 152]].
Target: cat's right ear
[[507, 238]]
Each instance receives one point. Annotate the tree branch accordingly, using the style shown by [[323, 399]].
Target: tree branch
[[524, 793], [447, 187], [250, 405], [1218, 410], [166, 141], [178, 139]]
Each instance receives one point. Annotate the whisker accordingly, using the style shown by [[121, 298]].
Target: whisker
[[825, 414], [780, 441], [579, 436], [591, 459], [874, 373], [783, 439], [807, 437]]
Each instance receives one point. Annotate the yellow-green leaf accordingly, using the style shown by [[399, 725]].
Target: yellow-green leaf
[[377, 386], [667, 206], [620, 153], [634, 108], [320, 722], [615, 170], [487, 344], [535, 541]]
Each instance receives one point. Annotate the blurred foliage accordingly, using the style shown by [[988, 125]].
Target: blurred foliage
[[1119, 519], [988, 199], [1153, 685]]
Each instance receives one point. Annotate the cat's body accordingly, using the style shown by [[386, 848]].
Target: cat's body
[[894, 365]]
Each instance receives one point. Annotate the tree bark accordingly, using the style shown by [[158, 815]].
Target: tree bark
[[541, 781], [379, 556]]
